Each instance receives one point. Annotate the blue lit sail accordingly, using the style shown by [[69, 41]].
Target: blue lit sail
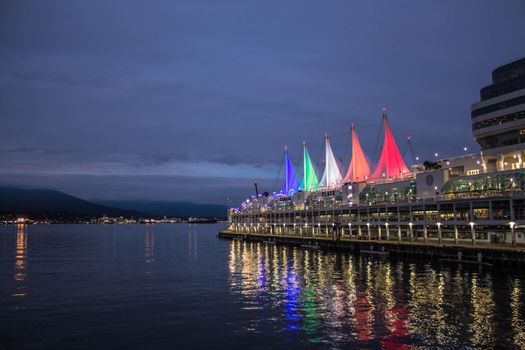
[[290, 180]]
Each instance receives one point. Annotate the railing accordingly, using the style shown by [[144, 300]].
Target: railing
[[469, 195], [460, 232]]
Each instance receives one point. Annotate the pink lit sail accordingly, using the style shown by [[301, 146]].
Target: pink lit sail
[[391, 163], [359, 168]]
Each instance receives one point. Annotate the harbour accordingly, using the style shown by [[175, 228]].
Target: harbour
[[65, 286]]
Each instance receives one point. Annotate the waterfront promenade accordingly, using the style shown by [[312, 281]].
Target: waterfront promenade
[[451, 251]]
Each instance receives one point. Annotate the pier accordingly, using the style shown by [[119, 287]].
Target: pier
[[446, 252]]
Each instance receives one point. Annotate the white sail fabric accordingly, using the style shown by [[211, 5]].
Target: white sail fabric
[[332, 172]]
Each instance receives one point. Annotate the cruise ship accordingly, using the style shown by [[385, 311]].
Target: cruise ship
[[470, 200]]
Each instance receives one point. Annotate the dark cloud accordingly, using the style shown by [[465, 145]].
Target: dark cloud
[[209, 89]]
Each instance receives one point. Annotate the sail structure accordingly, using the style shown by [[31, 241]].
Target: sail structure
[[391, 163], [310, 181], [290, 179], [332, 173], [359, 168], [409, 156]]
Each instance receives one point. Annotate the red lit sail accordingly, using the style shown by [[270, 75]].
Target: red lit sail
[[391, 163], [359, 168]]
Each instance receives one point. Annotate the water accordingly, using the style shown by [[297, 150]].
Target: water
[[178, 286]]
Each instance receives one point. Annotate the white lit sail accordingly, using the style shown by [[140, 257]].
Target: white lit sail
[[332, 173]]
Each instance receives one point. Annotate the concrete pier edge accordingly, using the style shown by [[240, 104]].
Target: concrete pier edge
[[458, 253]]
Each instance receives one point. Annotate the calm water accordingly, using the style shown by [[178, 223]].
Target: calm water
[[179, 287]]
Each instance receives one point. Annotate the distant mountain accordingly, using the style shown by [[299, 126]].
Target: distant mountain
[[32, 201], [161, 208]]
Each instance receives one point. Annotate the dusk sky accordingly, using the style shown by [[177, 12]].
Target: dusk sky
[[194, 101]]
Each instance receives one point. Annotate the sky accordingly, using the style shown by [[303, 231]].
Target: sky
[[195, 100]]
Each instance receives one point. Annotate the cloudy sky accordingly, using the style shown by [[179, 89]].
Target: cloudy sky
[[194, 100]]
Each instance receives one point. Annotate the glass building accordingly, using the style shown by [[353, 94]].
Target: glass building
[[498, 119]]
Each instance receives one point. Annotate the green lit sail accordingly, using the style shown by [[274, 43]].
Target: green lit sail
[[310, 181]]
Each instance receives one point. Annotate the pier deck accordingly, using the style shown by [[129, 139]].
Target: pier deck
[[482, 253]]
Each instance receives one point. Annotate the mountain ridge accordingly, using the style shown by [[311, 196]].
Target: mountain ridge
[[16, 200], [33, 201], [169, 208]]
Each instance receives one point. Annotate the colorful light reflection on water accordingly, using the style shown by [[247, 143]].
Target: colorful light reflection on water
[[341, 299], [178, 286]]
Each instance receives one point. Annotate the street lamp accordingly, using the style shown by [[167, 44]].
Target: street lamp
[[473, 232], [513, 232]]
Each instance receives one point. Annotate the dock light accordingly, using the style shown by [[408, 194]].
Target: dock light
[[436, 154], [318, 224], [512, 224], [477, 162], [367, 224], [465, 148], [333, 224], [410, 224], [471, 224], [438, 224], [417, 158], [514, 156], [306, 225], [386, 224]]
